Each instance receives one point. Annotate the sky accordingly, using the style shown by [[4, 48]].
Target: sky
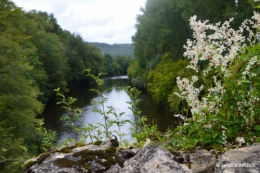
[[105, 21]]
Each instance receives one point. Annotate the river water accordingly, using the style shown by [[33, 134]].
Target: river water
[[155, 113]]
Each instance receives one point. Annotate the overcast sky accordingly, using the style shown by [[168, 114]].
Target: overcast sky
[[106, 21]]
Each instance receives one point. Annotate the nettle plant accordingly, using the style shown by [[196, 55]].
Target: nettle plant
[[226, 110]]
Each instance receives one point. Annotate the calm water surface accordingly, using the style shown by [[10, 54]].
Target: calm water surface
[[116, 98]]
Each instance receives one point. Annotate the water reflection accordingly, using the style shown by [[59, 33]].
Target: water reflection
[[155, 113], [116, 98]]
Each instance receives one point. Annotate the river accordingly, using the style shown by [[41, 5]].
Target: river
[[117, 98]]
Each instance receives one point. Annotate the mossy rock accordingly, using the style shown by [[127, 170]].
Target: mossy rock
[[43, 157], [79, 144], [29, 164], [96, 155], [65, 150], [98, 142], [39, 160], [110, 150], [109, 162], [63, 162]]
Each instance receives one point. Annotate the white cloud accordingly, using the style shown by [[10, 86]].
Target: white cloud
[[108, 21]]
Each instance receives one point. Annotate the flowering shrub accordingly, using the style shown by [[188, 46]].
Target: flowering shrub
[[228, 109]]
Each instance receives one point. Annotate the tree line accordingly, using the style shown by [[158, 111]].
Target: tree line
[[162, 30], [125, 49], [37, 56]]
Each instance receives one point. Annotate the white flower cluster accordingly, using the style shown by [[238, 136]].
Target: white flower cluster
[[252, 61], [190, 93], [220, 49], [180, 116], [240, 140]]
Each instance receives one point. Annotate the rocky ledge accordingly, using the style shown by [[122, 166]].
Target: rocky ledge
[[106, 157]]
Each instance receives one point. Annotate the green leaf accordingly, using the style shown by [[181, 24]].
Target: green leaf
[[257, 127], [215, 134], [245, 81]]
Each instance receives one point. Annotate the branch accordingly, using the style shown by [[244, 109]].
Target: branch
[[6, 160]]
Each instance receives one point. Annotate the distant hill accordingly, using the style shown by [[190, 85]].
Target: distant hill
[[115, 49]]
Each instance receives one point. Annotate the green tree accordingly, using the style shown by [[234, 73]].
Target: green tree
[[162, 80], [136, 74], [109, 65], [123, 63], [50, 52], [18, 91], [77, 53]]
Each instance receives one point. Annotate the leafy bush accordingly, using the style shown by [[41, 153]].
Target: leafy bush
[[228, 112]]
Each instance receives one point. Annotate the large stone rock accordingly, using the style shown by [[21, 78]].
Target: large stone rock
[[89, 158], [202, 161], [241, 160], [49, 166], [153, 159], [114, 169], [128, 153]]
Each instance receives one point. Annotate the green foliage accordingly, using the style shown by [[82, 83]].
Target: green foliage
[[133, 106], [117, 65], [12, 151], [110, 66], [118, 121], [49, 136], [142, 132], [49, 51], [60, 57], [95, 132], [102, 101], [225, 113], [18, 91], [136, 75], [49, 140], [123, 63], [108, 122], [163, 27], [73, 116], [90, 130], [162, 80]]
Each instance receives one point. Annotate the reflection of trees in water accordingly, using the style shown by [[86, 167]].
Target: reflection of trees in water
[[156, 113], [116, 82], [150, 108]]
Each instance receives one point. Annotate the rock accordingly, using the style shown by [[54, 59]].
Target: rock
[[114, 169], [48, 165], [110, 142], [202, 161], [153, 159], [241, 160], [105, 158], [128, 153], [90, 158]]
